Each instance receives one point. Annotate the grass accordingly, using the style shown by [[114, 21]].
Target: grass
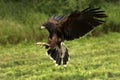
[[92, 58]]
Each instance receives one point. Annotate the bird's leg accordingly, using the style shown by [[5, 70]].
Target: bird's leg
[[42, 44]]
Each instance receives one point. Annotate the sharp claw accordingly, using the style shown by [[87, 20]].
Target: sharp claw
[[42, 44]]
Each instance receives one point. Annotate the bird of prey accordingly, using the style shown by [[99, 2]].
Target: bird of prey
[[68, 28]]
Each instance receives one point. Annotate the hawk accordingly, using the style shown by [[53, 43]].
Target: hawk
[[70, 27]]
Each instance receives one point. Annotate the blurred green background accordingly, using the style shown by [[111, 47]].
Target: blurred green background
[[20, 19], [93, 57]]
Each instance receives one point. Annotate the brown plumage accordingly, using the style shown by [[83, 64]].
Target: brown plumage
[[63, 27]]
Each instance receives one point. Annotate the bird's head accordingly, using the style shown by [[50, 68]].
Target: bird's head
[[54, 22], [46, 25], [49, 26]]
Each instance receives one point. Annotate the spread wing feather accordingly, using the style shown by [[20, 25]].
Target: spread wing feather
[[78, 23]]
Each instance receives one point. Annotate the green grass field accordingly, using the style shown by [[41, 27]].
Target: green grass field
[[91, 58]]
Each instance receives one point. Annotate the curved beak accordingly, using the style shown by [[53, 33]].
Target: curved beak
[[42, 27]]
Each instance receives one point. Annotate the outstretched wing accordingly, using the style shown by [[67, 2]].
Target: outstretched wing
[[78, 23]]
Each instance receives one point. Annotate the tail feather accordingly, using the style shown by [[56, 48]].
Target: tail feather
[[66, 58], [58, 59], [59, 55], [52, 53]]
